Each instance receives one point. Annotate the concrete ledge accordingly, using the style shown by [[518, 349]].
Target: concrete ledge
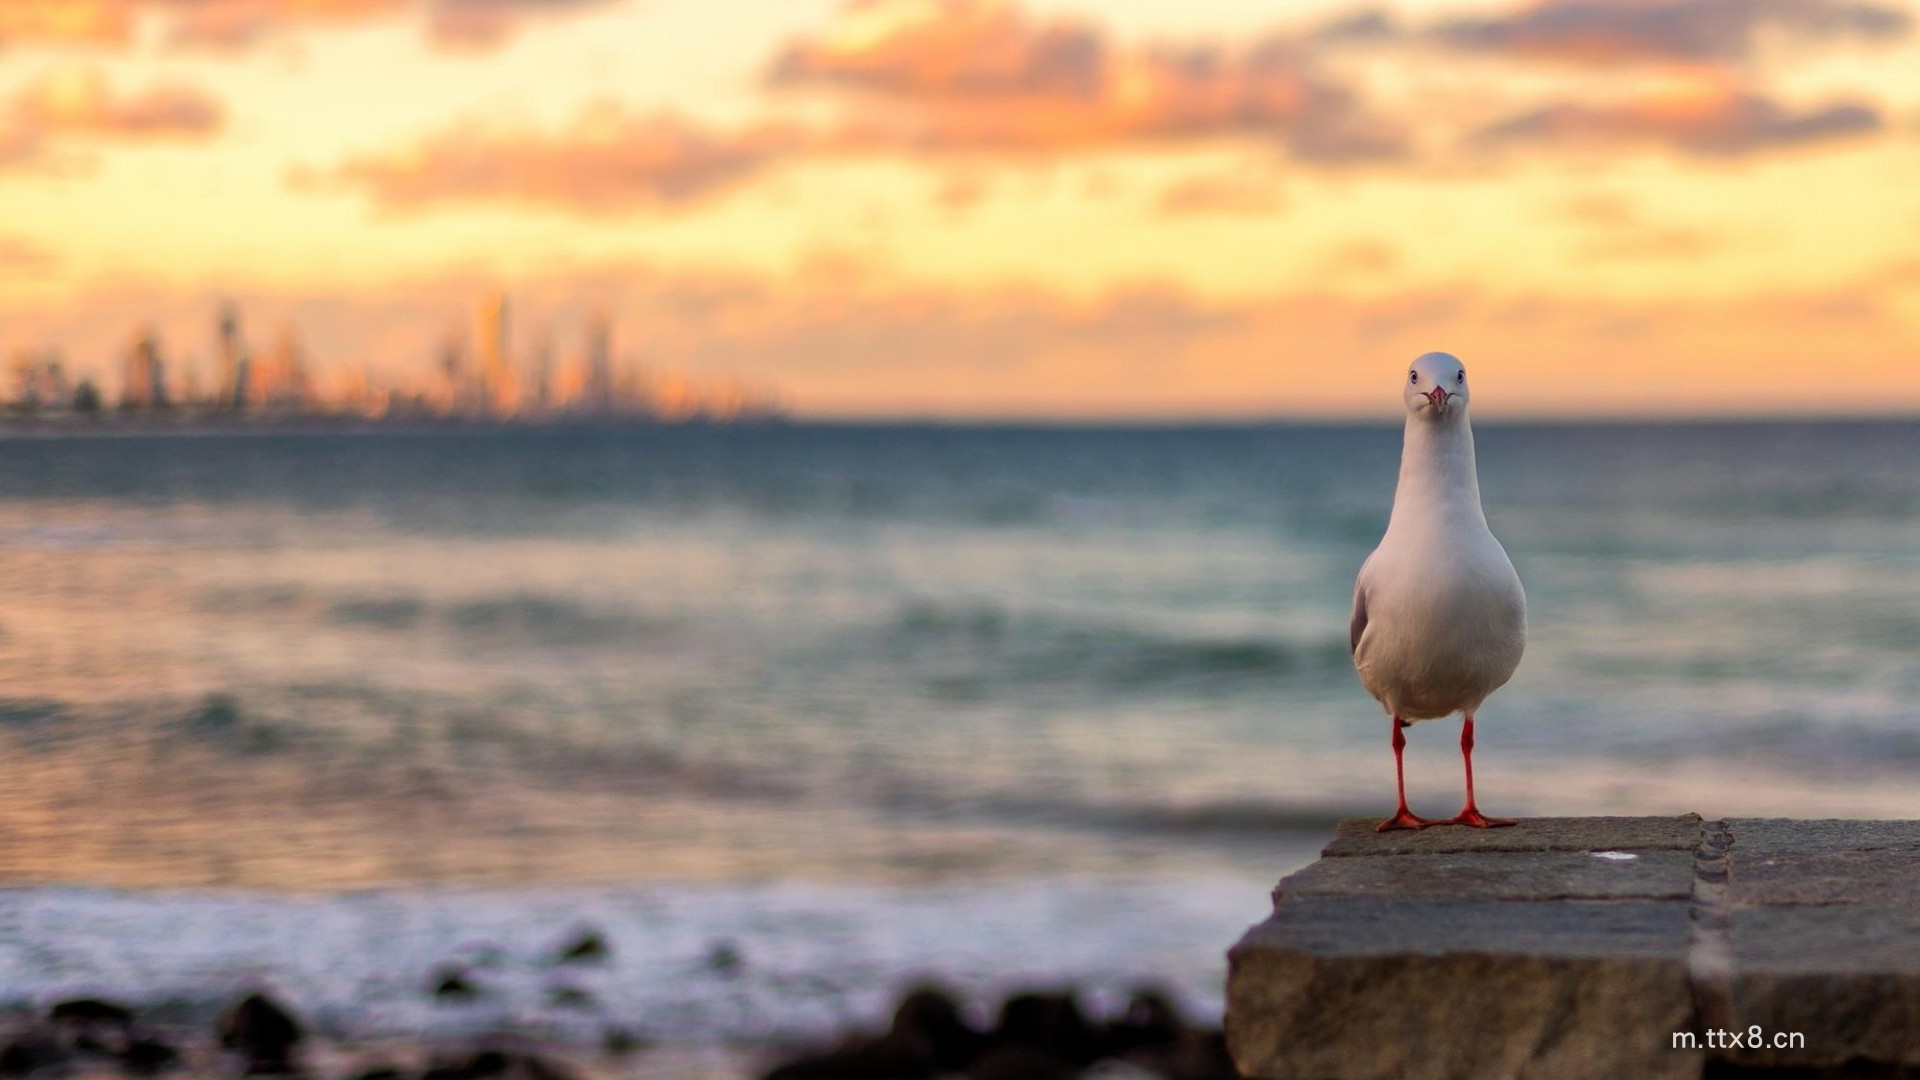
[[1580, 947]]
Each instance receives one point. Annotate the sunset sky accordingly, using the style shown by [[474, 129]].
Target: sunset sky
[[1074, 208]]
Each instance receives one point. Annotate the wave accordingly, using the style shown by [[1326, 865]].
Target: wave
[[1222, 819], [530, 618], [971, 647]]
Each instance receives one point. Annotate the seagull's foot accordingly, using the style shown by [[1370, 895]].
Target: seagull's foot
[[1472, 816], [1406, 819]]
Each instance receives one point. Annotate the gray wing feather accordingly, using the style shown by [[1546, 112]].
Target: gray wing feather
[[1358, 625]]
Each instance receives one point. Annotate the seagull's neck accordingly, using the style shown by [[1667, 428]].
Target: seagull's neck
[[1438, 476]]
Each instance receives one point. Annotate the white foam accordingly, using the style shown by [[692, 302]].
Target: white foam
[[814, 957]]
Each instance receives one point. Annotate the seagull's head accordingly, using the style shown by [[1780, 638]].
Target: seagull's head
[[1435, 387]]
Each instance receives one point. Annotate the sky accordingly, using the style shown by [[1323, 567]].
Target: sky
[[973, 208]]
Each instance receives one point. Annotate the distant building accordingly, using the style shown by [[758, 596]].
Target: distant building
[[597, 385], [145, 385], [40, 382], [231, 392], [499, 385], [282, 383]]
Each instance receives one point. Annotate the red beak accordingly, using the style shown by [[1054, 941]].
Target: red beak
[[1438, 397]]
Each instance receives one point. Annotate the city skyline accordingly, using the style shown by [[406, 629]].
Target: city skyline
[[983, 208], [484, 376]]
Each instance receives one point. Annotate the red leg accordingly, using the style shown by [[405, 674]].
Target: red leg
[[1402, 818], [1470, 814]]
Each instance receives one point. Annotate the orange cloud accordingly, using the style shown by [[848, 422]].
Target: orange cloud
[[1710, 118], [472, 24], [1244, 192], [985, 75], [1600, 32], [91, 22], [82, 103], [21, 257], [607, 160], [237, 24]]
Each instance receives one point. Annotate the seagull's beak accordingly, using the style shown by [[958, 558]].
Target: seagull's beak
[[1439, 398]]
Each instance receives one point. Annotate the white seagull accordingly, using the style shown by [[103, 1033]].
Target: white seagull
[[1439, 618]]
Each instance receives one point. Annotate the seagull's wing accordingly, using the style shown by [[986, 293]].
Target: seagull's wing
[[1358, 624]]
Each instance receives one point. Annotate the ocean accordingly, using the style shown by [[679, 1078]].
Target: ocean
[[796, 715]]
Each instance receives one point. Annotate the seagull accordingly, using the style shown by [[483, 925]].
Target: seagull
[[1439, 618]]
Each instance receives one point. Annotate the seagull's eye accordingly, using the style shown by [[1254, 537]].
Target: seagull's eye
[[1462, 377], [1413, 376]]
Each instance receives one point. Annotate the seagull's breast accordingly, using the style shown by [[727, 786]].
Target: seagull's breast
[[1446, 622]]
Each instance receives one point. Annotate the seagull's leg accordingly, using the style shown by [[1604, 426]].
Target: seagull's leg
[[1402, 818], [1470, 814]]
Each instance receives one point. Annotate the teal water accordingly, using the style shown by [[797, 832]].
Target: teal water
[[895, 661]]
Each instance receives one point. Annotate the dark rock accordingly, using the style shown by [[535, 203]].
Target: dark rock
[[380, 1072], [932, 1015], [452, 984], [90, 1011], [477, 1066], [725, 958], [148, 1056], [1050, 1023], [1150, 1022], [571, 997], [589, 947], [537, 1067], [619, 1043], [889, 1057], [31, 1052], [263, 1032], [1021, 1063]]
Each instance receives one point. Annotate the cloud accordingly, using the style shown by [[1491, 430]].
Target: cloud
[[233, 25], [21, 256], [80, 103], [481, 24], [1239, 192], [83, 102], [1600, 32], [962, 75], [66, 22], [606, 161], [1711, 119]]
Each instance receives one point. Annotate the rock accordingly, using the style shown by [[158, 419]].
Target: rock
[[452, 984], [263, 1032], [147, 1056], [1051, 1023], [1584, 948], [1149, 1021], [932, 1015], [1022, 1063], [889, 1057], [31, 1052], [570, 997], [88, 1010], [619, 1042], [725, 958], [380, 1072], [477, 1066], [536, 1067], [587, 947], [1357, 836]]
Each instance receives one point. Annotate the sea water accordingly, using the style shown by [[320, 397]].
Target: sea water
[[795, 715]]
